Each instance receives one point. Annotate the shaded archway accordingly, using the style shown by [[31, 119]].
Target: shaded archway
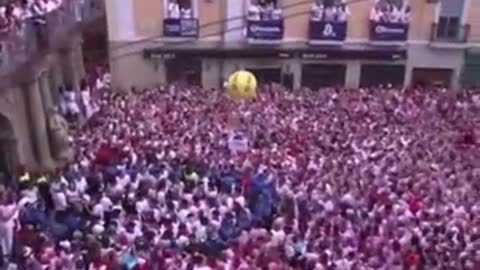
[[8, 149]]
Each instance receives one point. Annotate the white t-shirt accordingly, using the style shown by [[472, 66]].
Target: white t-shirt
[[173, 10], [60, 200]]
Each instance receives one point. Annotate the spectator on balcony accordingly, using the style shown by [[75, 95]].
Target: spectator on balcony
[[173, 9], [254, 11], [376, 14], [7, 20], [343, 13], [23, 10], [50, 5], [317, 10], [186, 10]]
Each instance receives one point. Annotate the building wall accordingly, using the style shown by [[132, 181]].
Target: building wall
[[211, 14], [13, 107], [220, 21], [297, 17], [148, 18], [473, 18], [358, 20], [422, 17]]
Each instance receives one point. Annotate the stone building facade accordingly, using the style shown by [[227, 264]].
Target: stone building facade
[[33, 67], [427, 44]]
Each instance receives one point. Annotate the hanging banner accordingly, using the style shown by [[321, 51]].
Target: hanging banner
[[388, 31], [187, 28], [325, 31], [265, 29]]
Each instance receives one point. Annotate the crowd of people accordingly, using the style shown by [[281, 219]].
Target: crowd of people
[[330, 11], [183, 178], [391, 11], [264, 10]]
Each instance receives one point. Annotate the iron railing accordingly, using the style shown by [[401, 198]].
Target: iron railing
[[450, 32]]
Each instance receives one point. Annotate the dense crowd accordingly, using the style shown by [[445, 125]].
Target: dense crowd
[[331, 179]]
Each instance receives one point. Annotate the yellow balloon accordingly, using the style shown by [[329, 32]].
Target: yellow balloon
[[242, 85]]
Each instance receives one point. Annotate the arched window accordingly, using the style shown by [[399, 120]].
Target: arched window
[[391, 11]]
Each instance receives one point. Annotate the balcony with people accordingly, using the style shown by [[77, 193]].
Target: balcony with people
[[328, 22], [389, 21], [180, 20], [264, 22], [29, 28]]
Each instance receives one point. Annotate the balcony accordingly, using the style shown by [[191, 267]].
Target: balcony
[[180, 28], [449, 35], [37, 35], [328, 23]]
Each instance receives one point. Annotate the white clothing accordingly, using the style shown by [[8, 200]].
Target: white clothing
[[173, 10], [8, 215]]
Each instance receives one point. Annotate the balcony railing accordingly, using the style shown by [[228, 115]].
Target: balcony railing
[[388, 31], [450, 33], [37, 35], [180, 28], [267, 30]]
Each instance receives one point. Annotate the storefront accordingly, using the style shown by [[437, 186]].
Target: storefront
[[381, 74], [290, 66], [315, 76]]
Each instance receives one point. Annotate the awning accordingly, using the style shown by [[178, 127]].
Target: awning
[[302, 51]]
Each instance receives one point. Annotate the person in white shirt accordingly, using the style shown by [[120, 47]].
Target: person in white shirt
[[342, 14], [8, 215], [376, 14], [330, 13], [173, 9], [317, 11], [254, 12]]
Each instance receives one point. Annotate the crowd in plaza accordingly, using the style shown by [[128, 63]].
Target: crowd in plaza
[[344, 179]]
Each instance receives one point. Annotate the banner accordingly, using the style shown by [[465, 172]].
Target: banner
[[187, 28], [387, 31], [268, 30], [322, 30], [238, 143]]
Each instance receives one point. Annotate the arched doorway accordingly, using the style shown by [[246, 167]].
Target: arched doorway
[[8, 149]]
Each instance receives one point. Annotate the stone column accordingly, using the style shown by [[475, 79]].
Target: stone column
[[79, 64], [69, 70], [56, 75], [38, 125], [46, 91], [352, 76]]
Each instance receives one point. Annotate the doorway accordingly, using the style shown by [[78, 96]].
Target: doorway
[[432, 77], [8, 149], [315, 76], [375, 75], [267, 75], [184, 70]]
